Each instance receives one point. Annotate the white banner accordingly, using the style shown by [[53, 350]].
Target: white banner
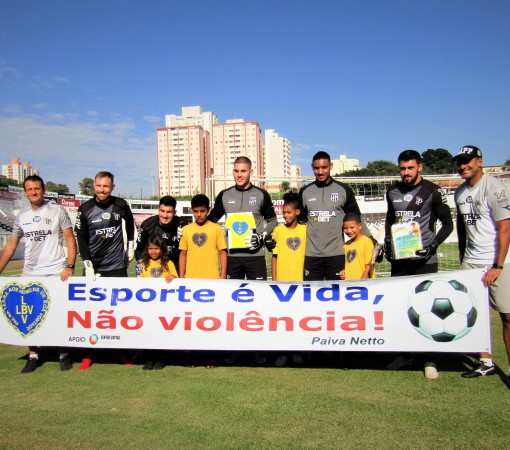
[[445, 312]]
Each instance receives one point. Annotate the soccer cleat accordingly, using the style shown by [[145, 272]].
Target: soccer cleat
[[481, 371], [399, 363], [65, 363], [86, 363], [431, 372], [125, 361], [149, 365], [30, 366], [281, 361], [159, 365]]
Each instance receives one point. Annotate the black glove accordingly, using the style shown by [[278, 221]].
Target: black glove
[[427, 252], [270, 244], [255, 241], [380, 250], [388, 249], [380, 254]]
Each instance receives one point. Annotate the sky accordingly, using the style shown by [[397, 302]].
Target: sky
[[85, 84]]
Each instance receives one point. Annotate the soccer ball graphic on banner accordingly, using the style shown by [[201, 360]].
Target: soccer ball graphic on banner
[[442, 310]]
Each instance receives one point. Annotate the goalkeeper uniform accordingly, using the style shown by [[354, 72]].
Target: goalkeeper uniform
[[100, 235], [243, 263], [424, 203]]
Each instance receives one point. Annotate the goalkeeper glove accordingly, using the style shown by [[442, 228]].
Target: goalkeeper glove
[[270, 244], [89, 270], [388, 249], [427, 252], [130, 252], [378, 257], [256, 240]]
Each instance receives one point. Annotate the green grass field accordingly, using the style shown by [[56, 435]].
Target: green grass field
[[336, 401]]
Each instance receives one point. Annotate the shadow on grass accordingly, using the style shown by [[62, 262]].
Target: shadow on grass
[[445, 362]]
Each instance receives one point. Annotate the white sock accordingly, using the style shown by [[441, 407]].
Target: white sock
[[33, 356], [487, 361]]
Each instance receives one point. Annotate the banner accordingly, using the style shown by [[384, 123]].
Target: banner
[[69, 202], [444, 312]]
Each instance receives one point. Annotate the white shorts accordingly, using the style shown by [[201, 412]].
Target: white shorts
[[499, 292]]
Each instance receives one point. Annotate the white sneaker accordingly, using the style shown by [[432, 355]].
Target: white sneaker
[[400, 362], [431, 372]]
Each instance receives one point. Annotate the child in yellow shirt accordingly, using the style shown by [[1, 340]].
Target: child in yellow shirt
[[288, 261], [358, 250], [201, 244], [155, 263]]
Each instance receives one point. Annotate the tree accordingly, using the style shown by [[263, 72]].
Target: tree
[[285, 186], [86, 186], [438, 161], [377, 168], [381, 168], [9, 182], [58, 188]]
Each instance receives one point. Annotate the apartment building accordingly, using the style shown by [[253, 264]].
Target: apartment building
[[192, 115], [295, 177], [230, 140], [18, 170], [344, 164], [182, 165], [196, 153], [277, 152]]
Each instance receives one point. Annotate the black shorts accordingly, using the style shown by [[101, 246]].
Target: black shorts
[[403, 267], [319, 268], [249, 267], [121, 273]]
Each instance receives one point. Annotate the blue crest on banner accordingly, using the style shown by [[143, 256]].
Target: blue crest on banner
[[25, 307]]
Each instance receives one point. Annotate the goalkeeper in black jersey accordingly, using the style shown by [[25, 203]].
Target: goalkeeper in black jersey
[[99, 232], [421, 201], [165, 224]]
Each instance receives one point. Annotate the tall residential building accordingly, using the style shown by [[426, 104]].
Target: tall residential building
[[230, 140], [344, 164], [192, 115], [277, 151], [17, 170], [197, 154], [295, 177], [182, 165]]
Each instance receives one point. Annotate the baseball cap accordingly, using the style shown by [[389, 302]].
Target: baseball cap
[[467, 153]]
